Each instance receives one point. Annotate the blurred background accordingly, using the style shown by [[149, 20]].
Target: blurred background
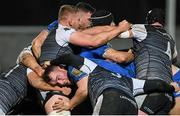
[[22, 20]]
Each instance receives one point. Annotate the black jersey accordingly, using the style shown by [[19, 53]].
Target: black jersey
[[13, 87], [154, 50]]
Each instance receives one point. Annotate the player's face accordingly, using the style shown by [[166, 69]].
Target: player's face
[[85, 21], [59, 77], [75, 21], [81, 20]]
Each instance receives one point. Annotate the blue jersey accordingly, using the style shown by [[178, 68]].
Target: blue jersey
[[127, 70], [75, 74], [95, 55]]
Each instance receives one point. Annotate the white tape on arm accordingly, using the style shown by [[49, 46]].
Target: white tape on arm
[[125, 34]]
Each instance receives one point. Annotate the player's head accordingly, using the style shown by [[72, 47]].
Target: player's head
[[85, 11], [101, 18], [85, 7], [155, 15], [56, 75], [67, 12]]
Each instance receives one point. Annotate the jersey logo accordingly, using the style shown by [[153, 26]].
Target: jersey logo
[[76, 72]]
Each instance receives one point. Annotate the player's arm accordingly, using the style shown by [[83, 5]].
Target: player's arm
[[29, 61], [39, 40], [39, 83], [81, 93], [107, 52], [126, 34], [98, 29], [26, 57], [118, 56], [137, 31], [37, 43], [81, 80], [87, 40]]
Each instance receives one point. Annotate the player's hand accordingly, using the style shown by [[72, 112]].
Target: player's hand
[[124, 25], [63, 103], [52, 25]]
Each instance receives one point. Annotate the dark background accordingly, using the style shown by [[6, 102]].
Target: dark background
[[42, 12]]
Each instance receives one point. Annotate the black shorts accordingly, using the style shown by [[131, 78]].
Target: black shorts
[[115, 102], [157, 103], [13, 87], [102, 79]]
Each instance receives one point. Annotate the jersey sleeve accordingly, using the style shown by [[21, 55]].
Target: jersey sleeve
[[63, 35], [139, 32]]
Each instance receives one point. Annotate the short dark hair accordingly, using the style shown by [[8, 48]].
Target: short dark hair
[[85, 7], [47, 71], [101, 18], [155, 15]]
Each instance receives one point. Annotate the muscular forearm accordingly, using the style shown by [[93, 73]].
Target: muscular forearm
[[39, 83], [98, 29], [80, 94], [29, 61], [38, 41], [104, 37], [77, 99], [118, 56]]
